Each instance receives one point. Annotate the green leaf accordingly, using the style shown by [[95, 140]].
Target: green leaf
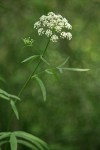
[[75, 69], [29, 58], [33, 139], [48, 71], [2, 92], [14, 108], [42, 87], [13, 142], [1, 133], [60, 70], [4, 97], [24, 138], [14, 97], [5, 135], [45, 61], [64, 62], [27, 144]]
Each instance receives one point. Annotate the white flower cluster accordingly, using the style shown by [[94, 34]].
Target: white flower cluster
[[53, 26]]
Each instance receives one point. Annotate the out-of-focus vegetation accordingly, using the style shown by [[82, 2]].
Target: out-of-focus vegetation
[[70, 118]]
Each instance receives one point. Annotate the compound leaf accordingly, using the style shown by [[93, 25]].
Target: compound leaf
[[38, 143]]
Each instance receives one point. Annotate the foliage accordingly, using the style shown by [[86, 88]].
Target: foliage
[[23, 138], [69, 119]]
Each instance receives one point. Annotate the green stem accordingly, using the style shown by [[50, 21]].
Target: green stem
[[29, 78], [27, 82]]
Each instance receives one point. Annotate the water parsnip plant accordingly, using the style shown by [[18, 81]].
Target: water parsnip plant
[[54, 27]]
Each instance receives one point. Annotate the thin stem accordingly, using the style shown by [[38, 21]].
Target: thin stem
[[27, 82], [29, 78]]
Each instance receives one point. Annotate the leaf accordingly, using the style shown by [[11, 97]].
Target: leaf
[[24, 138], [45, 61], [75, 69], [29, 58], [8, 95], [4, 97], [42, 87], [5, 135], [4, 92], [27, 144], [48, 71], [14, 108], [64, 62], [1, 133], [33, 139], [14, 97], [60, 70], [13, 142]]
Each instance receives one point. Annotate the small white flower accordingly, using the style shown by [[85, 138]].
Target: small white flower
[[48, 33], [40, 31], [53, 25], [37, 24], [45, 23], [58, 28], [69, 35], [51, 13], [60, 17], [67, 25], [54, 38], [63, 35], [42, 18], [61, 24], [65, 20]]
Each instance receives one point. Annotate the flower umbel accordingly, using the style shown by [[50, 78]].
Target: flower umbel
[[53, 26], [28, 41]]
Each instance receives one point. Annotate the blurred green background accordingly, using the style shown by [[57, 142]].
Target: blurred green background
[[70, 118]]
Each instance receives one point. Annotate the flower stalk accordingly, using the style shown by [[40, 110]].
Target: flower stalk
[[32, 74], [27, 82]]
